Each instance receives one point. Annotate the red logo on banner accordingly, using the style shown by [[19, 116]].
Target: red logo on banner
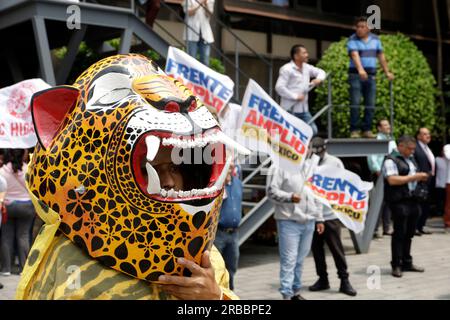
[[18, 103]]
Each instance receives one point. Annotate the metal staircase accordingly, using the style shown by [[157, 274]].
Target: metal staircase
[[46, 20]]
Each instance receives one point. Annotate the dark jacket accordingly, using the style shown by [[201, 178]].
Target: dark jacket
[[423, 164], [421, 159], [393, 194]]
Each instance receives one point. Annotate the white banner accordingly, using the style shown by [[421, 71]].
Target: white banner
[[266, 127], [212, 88], [16, 124], [344, 192]]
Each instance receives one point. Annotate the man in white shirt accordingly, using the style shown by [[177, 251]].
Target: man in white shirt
[[297, 216], [447, 190], [442, 168], [294, 83], [198, 32], [401, 179], [375, 163]]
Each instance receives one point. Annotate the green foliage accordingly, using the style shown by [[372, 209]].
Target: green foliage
[[217, 65], [414, 87]]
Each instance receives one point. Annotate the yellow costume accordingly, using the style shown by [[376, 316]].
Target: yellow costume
[[110, 229]]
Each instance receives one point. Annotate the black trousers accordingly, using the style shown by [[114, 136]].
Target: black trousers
[[332, 237], [404, 216], [385, 216], [440, 201], [423, 215]]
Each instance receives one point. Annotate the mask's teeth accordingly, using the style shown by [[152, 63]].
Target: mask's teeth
[[153, 184], [163, 192], [172, 193], [152, 144], [166, 141]]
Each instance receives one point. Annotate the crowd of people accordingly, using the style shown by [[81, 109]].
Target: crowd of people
[[17, 212], [410, 171]]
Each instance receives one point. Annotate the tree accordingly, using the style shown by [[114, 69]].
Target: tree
[[414, 88]]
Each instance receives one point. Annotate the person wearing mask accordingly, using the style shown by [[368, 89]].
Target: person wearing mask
[[375, 163], [19, 209], [332, 234], [401, 178], [364, 48], [198, 32], [297, 216], [294, 82]]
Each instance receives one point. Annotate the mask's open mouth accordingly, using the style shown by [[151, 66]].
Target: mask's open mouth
[[175, 168]]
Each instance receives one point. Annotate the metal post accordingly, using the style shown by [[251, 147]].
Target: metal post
[[72, 50], [391, 106], [43, 50], [125, 41], [270, 78], [330, 120], [236, 75]]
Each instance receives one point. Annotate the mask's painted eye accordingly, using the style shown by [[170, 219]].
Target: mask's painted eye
[[109, 89], [113, 96]]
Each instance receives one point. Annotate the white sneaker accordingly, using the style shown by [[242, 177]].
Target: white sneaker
[[5, 274]]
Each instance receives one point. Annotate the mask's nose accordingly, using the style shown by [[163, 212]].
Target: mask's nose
[[165, 93]]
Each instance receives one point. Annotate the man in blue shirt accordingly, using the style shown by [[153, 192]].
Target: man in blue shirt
[[364, 48], [227, 236]]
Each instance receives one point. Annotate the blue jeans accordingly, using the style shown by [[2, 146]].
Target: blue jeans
[[228, 246], [16, 231], [294, 242], [306, 116], [201, 47], [367, 89]]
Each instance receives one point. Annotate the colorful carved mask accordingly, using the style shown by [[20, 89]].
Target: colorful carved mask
[[122, 159]]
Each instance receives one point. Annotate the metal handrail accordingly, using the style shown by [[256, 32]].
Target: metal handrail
[[212, 45], [257, 169], [223, 25], [234, 64]]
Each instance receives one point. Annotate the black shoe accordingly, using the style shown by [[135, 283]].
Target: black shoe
[[347, 288], [297, 297], [321, 284], [413, 268], [425, 232], [1, 286], [418, 233], [387, 233], [397, 272]]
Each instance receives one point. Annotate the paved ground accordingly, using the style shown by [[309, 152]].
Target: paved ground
[[257, 277]]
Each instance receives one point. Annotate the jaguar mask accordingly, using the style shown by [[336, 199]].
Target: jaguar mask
[[95, 166]]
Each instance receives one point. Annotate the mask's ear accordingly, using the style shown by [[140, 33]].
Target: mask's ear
[[48, 108]]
